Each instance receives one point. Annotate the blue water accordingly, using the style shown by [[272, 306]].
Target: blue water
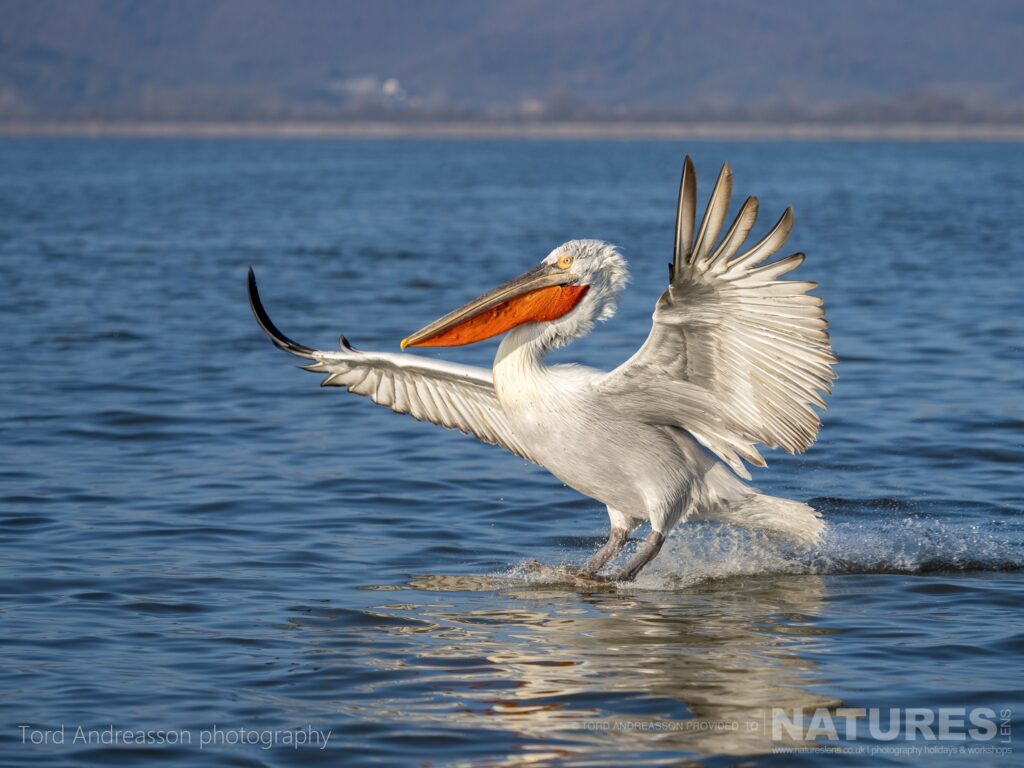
[[194, 535]]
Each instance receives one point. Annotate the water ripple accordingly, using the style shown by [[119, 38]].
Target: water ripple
[[196, 535]]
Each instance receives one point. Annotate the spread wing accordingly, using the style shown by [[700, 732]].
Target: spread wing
[[447, 394], [735, 356]]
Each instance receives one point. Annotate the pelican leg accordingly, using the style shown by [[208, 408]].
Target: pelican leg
[[644, 554], [612, 547]]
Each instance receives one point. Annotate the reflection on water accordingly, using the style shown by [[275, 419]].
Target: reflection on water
[[598, 671]]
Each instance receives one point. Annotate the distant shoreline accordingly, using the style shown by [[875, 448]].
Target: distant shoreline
[[514, 130]]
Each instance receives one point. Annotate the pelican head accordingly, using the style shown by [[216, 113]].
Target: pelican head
[[576, 285]]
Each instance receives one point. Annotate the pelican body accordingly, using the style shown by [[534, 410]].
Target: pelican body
[[735, 358]]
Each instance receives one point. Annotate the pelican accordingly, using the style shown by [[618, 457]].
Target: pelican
[[736, 358]]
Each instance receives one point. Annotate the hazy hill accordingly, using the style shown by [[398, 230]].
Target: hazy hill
[[272, 59]]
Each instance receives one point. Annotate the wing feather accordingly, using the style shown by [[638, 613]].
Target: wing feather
[[768, 245], [685, 215], [447, 394], [735, 356], [714, 217], [737, 233]]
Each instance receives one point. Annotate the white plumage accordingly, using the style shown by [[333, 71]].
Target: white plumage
[[735, 358], [447, 394], [750, 349]]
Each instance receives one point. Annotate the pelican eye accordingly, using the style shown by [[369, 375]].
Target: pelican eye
[[564, 262]]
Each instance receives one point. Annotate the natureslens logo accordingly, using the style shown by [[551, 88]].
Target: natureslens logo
[[904, 724]]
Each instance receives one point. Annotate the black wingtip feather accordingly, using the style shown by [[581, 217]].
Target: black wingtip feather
[[279, 339]]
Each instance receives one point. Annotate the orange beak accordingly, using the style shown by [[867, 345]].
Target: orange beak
[[542, 294]]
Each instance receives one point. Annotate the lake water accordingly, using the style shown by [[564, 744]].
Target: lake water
[[196, 539]]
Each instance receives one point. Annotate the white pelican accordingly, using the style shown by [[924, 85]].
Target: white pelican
[[735, 357]]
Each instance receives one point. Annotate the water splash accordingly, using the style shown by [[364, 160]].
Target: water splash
[[698, 553]]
